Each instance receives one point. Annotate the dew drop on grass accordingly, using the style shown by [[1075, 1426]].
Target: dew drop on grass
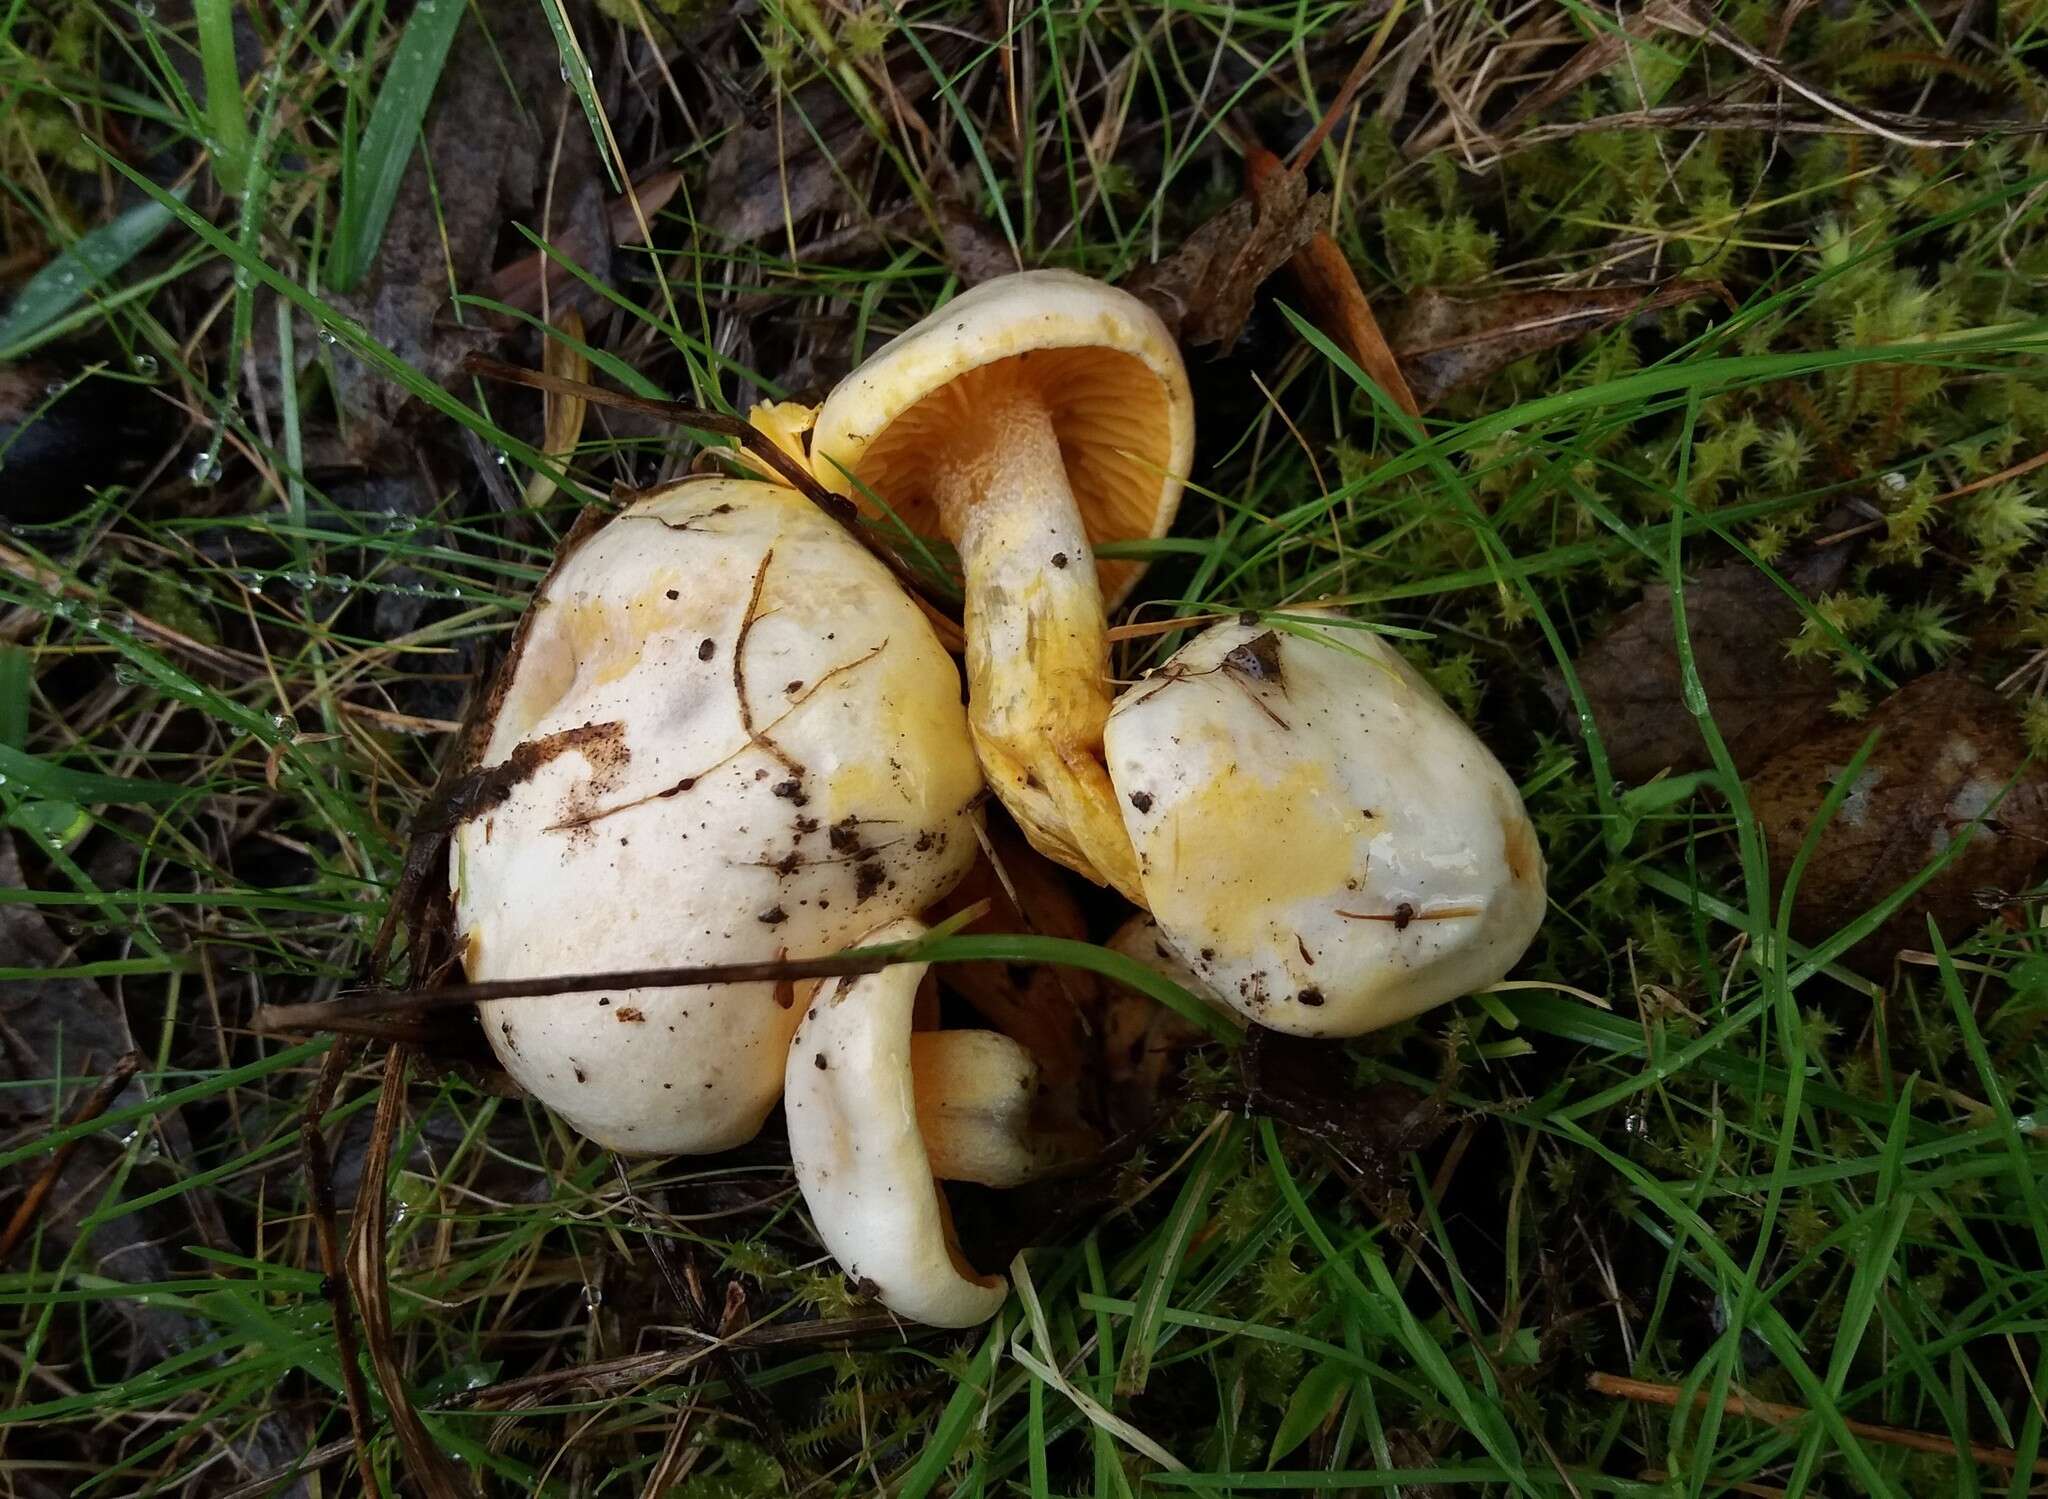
[[593, 1297], [143, 364], [146, 9], [205, 471], [344, 62], [326, 336]]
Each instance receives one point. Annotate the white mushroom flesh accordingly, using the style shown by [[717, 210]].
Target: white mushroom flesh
[[1323, 842], [733, 738], [877, 1114]]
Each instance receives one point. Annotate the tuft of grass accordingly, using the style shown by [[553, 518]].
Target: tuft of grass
[[228, 677]]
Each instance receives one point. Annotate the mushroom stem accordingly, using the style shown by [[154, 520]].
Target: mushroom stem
[[1037, 645], [974, 1093]]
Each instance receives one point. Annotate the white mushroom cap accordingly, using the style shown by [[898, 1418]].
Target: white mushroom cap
[[877, 1114], [1107, 367], [658, 824], [1324, 843], [1028, 420]]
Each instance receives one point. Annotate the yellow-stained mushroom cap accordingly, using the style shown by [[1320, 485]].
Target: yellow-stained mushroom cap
[[1322, 841], [878, 1115], [1027, 420], [728, 736]]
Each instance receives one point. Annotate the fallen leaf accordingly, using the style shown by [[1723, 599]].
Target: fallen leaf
[[1445, 343], [563, 425], [446, 232], [1336, 302], [1738, 622], [1204, 290], [781, 165], [1948, 746], [518, 284], [974, 250]]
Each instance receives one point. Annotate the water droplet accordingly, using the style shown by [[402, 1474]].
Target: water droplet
[[3, 779], [243, 279], [344, 62], [146, 9], [205, 470], [143, 364], [593, 1297], [284, 724], [326, 336], [1637, 1124], [503, 461]]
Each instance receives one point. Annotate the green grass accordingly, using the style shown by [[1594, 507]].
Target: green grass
[[223, 697]]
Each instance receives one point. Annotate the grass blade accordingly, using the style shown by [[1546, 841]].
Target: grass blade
[[86, 264], [377, 167]]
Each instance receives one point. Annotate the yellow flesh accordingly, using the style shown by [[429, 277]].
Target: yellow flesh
[[1037, 644]]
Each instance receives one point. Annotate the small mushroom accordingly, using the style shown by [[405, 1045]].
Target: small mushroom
[[1322, 841], [879, 1114], [1028, 420], [726, 735], [1141, 1040]]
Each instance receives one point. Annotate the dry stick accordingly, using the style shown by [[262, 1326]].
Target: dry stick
[[333, 1266], [336, 1014], [1335, 299], [91, 1107], [752, 438], [1347, 91], [427, 1465], [1651, 1393], [2025, 466], [1688, 20]]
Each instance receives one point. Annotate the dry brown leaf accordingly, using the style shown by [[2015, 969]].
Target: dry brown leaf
[[1446, 342], [564, 425], [975, 251], [503, 70], [1738, 622], [1204, 290], [1336, 302], [1948, 747]]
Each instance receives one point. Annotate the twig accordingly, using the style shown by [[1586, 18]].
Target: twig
[[1686, 19], [265, 1484], [333, 1266], [335, 1014], [94, 1104], [2024, 466], [752, 438], [1649, 1392], [1347, 91], [427, 1465]]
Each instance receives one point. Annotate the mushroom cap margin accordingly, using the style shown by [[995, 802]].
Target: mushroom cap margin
[[1111, 373]]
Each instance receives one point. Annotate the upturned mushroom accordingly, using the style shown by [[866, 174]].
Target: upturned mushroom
[[1323, 842], [726, 735], [879, 1114], [1028, 420]]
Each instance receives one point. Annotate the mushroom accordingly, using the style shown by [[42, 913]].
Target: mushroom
[[725, 735], [879, 1114], [1322, 841], [1141, 1038], [1028, 420]]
